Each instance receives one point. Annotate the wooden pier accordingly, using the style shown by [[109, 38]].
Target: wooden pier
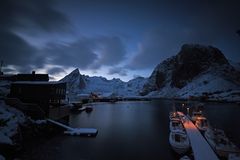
[[201, 149], [88, 132]]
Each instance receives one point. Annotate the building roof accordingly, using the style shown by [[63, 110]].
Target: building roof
[[38, 82]]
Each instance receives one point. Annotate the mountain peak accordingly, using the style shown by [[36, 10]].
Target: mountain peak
[[75, 71], [206, 55], [191, 61], [194, 59], [74, 80]]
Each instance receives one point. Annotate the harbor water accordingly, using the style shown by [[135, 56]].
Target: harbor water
[[129, 130]]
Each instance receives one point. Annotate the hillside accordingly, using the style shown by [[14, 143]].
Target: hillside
[[82, 84], [196, 71]]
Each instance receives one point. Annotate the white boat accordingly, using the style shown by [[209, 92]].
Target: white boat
[[175, 123], [173, 115], [221, 144], [179, 141], [201, 123], [195, 115]]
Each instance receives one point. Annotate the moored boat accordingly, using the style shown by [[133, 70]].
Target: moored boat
[[89, 109], [201, 123], [221, 144], [175, 123], [179, 141], [195, 115]]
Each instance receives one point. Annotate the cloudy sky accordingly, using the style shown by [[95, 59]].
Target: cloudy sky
[[110, 38]]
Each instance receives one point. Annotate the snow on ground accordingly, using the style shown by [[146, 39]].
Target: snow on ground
[[2, 158], [216, 87], [108, 88], [10, 118], [81, 131], [4, 88], [213, 85]]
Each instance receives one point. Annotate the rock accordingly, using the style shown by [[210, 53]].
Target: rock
[[74, 81], [191, 61], [194, 59]]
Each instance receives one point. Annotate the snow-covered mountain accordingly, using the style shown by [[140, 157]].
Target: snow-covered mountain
[[83, 84], [196, 70]]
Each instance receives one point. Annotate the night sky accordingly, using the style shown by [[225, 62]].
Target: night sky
[[112, 38]]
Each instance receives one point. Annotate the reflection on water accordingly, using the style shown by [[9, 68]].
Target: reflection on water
[[130, 130]]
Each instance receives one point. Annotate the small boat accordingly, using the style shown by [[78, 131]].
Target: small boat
[[173, 115], [179, 141], [201, 123], [83, 108], [75, 106], [176, 123], [195, 115], [89, 109], [221, 144]]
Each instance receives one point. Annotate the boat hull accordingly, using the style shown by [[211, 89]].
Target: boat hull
[[179, 148]]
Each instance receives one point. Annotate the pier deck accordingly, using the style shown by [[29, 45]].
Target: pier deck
[[200, 147], [89, 132]]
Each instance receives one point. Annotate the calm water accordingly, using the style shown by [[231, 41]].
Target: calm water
[[130, 130]]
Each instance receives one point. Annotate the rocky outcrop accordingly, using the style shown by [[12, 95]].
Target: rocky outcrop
[[179, 70], [194, 59], [74, 81]]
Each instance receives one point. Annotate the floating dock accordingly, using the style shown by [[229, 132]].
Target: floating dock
[[201, 149], [88, 132]]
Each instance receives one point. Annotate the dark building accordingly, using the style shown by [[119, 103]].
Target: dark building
[[25, 77], [44, 94]]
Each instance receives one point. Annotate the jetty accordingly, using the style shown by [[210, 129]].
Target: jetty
[[200, 147], [89, 132]]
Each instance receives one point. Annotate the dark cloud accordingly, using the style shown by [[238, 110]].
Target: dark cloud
[[32, 14], [17, 52], [26, 16], [8, 70], [111, 49], [14, 49], [87, 52], [209, 23], [117, 70], [78, 54], [56, 70]]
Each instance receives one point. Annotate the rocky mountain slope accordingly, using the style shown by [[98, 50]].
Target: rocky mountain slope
[[195, 71], [82, 84]]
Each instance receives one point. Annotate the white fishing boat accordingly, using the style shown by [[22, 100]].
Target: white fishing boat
[[201, 123], [179, 141], [175, 123], [173, 115], [221, 144], [195, 115]]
